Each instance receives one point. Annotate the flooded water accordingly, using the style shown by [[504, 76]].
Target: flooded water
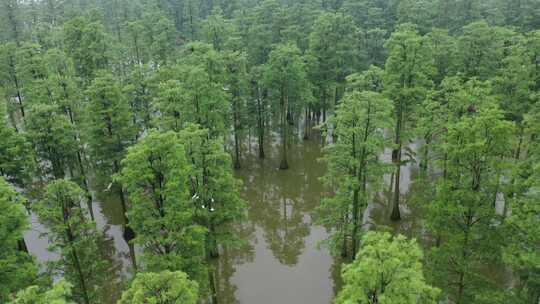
[[283, 262]]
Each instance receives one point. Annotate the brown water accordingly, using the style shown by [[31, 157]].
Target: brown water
[[282, 263]]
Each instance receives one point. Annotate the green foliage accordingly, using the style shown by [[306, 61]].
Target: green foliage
[[386, 270], [353, 163], [87, 43], [75, 238], [162, 214], [108, 122], [463, 212], [60, 293], [17, 268], [213, 189], [16, 154], [333, 49], [161, 287], [52, 136], [285, 77], [195, 92]]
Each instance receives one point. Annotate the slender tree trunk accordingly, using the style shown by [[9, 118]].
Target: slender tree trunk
[[306, 124], [260, 122], [284, 130], [21, 245], [356, 216], [77, 263], [237, 164], [396, 158]]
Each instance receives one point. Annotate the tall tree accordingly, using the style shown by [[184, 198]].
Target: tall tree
[[463, 212], [109, 125], [194, 92], [17, 163], [285, 77], [353, 163], [408, 71], [53, 138], [162, 213], [333, 46], [17, 268], [237, 85], [214, 193], [76, 239], [86, 42]]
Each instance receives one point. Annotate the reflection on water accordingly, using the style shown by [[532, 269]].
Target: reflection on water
[[282, 263], [287, 266]]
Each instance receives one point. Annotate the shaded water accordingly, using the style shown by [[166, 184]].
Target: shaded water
[[283, 263]]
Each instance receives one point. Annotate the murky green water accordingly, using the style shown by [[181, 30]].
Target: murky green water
[[283, 263]]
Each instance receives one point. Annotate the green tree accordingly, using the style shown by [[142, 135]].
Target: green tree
[[53, 138], [482, 49], [193, 92], [60, 293], [386, 270], [162, 287], [521, 252], [109, 126], [11, 21], [162, 214], [408, 76], [285, 77], [17, 163], [86, 41], [75, 238], [353, 163], [17, 268], [463, 212], [333, 49], [237, 86], [214, 192], [10, 77]]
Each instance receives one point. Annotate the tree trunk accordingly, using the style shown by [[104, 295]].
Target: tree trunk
[[283, 165], [396, 158]]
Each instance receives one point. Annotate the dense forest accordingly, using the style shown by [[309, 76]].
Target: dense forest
[[158, 103]]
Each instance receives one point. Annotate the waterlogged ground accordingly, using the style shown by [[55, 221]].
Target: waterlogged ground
[[283, 262]]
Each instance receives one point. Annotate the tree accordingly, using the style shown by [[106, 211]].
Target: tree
[[463, 213], [10, 78], [162, 287], [408, 71], [194, 92], [87, 43], [75, 238], [237, 85], [285, 77], [109, 122], [214, 192], [162, 214], [60, 293], [521, 252], [333, 48], [11, 17], [53, 138], [109, 127], [353, 163], [481, 49], [386, 270], [17, 163], [17, 268]]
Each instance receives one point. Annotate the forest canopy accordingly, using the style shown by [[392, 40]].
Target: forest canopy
[[158, 104]]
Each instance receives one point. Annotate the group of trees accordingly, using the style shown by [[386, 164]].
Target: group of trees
[[156, 99]]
